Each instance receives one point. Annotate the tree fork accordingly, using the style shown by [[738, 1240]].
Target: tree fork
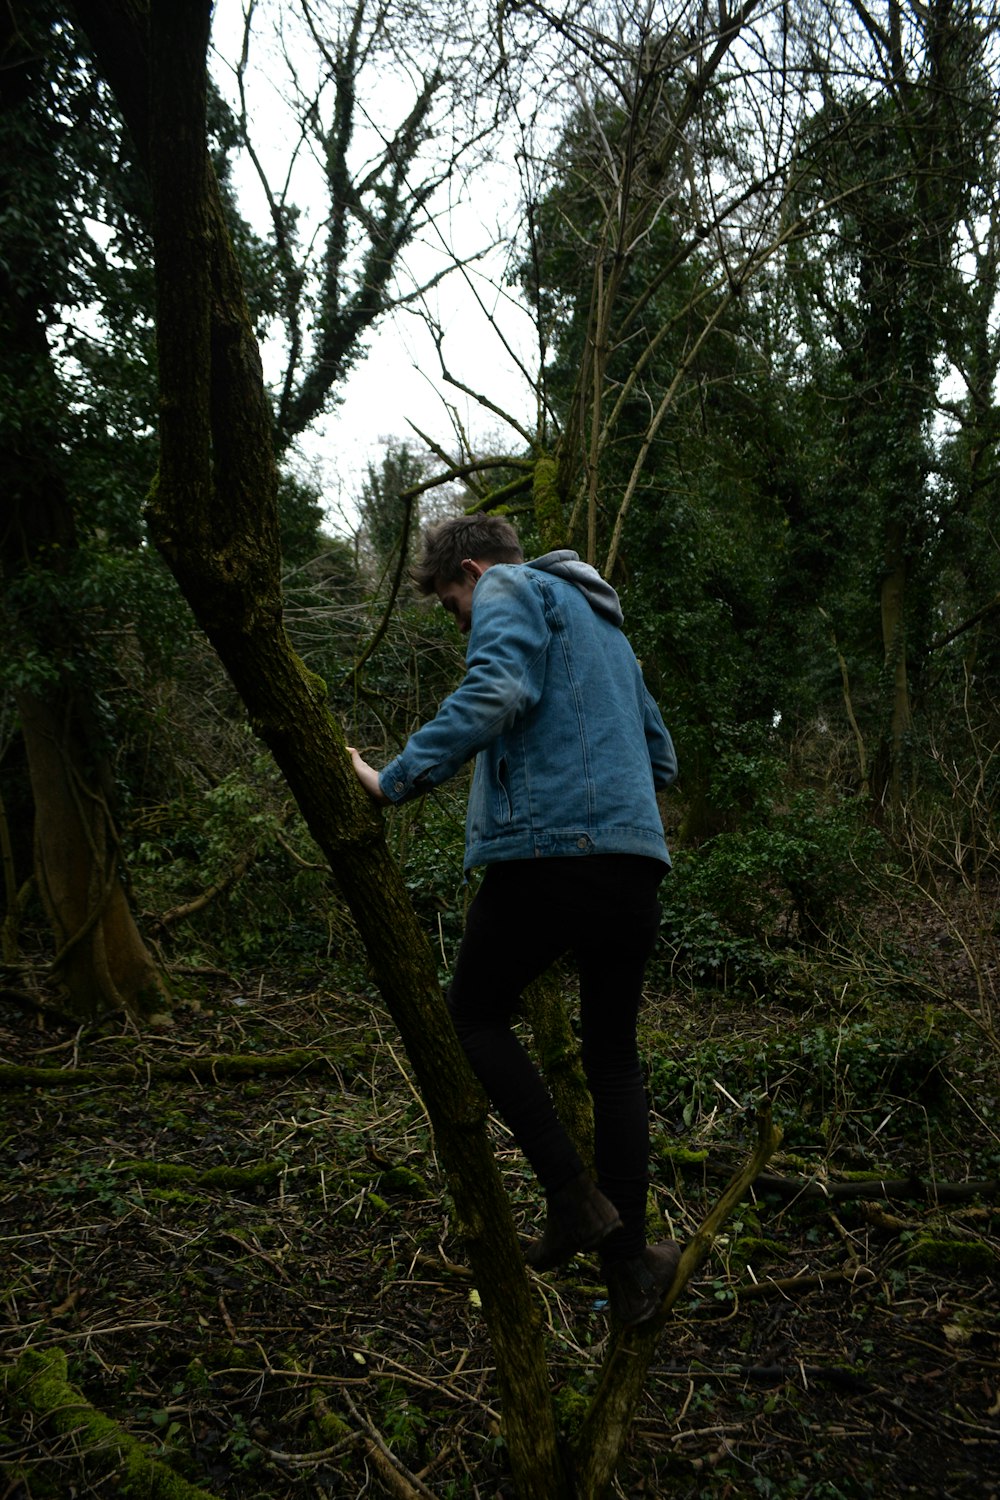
[[606, 1425], [101, 963]]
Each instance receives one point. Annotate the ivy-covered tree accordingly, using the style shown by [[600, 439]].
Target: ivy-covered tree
[[679, 501], [388, 509], [745, 348], [888, 177], [214, 519], [80, 590]]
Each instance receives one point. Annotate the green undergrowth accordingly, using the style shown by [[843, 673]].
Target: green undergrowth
[[828, 1080]]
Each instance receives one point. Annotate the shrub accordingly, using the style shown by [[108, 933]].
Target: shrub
[[794, 875]]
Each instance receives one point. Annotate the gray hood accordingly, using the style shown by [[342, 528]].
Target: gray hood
[[596, 590]]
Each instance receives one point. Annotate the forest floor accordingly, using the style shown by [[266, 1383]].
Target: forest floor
[[254, 1274]]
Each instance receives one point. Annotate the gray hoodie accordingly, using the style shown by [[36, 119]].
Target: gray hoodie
[[598, 593]]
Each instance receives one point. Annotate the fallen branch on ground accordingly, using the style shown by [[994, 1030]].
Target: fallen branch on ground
[[217, 1068], [924, 1189]]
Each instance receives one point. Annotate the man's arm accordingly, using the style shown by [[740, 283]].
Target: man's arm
[[505, 673]]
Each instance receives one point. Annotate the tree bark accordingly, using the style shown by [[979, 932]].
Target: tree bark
[[560, 1061], [214, 518], [102, 963], [39, 1383]]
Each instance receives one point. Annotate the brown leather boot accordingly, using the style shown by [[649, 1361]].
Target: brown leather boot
[[579, 1217], [636, 1287]]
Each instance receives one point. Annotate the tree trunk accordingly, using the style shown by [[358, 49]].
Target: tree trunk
[[599, 1442], [893, 612], [101, 963], [214, 519], [560, 1061]]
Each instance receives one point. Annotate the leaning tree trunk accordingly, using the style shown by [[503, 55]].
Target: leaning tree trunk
[[213, 517]]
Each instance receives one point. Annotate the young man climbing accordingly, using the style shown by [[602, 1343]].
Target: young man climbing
[[570, 750]]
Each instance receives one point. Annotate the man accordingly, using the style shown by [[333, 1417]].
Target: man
[[570, 750]]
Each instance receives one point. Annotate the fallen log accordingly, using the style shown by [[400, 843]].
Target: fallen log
[[222, 1067], [38, 1383]]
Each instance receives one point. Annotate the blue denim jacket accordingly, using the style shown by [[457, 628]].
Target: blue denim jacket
[[570, 746]]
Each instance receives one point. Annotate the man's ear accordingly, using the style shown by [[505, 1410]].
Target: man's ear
[[472, 569]]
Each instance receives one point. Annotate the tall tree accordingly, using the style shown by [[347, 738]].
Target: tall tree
[[214, 518], [658, 221], [78, 441], [384, 111], [387, 508], [55, 137], [880, 301], [740, 460]]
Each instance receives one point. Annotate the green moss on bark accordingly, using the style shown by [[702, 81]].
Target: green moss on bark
[[547, 503], [39, 1383]]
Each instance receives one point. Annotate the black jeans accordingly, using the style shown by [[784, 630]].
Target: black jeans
[[527, 913]]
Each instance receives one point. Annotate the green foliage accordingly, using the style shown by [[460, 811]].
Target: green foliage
[[402, 1421], [828, 1081], [300, 515], [793, 878], [238, 841], [703, 953], [91, 1184], [387, 519], [90, 616], [794, 872], [429, 838], [244, 1453], [804, 459], [31, 671]]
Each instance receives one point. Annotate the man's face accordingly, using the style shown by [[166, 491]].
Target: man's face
[[456, 597]]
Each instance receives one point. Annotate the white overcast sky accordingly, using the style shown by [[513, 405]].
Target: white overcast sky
[[398, 381]]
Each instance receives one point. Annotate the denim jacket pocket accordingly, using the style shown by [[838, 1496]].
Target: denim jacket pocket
[[504, 800]]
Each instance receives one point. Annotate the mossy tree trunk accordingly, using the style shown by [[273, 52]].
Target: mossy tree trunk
[[101, 963], [213, 516], [39, 1383], [561, 1062]]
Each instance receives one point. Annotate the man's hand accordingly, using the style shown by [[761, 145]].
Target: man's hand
[[367, 775]]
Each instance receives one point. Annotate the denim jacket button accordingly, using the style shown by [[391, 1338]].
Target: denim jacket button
[[582, 843]]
